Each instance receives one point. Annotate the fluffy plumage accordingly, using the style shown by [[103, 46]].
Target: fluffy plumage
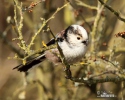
[[73, 41]]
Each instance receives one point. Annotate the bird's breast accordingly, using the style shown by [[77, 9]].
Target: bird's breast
[[73, 54]]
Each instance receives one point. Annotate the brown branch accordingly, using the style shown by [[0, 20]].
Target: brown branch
[[107, 53], [95, 81], [86, 5], [95, 26], [89, 26], [62, 57], [113, 11], [44, 23], [103, 73]]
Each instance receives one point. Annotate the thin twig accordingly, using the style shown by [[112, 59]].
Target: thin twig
[[86, 5], [40, 51], [44, 23], [81, 15], [31, 6], [107, 53], [122, 87], [103, 73], [95, 81], [95, 26], [62, 57], [19, 26], [112, 10]]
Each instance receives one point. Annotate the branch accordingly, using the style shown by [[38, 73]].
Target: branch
[[107, 53], [95, 26], [40, 51], [95, 81], [19, 26], [86, 5], [103, 73], [67, 68], [120, 34], [44, 23], [113, 11], [81, 15]]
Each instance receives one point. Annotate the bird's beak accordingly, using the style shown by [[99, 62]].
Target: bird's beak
[[85, 42]]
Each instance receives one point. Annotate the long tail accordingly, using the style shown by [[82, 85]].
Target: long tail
[[30, 64]]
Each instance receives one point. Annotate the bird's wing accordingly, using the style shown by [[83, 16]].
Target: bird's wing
[[59, 35], [51, 42], [29, 64]]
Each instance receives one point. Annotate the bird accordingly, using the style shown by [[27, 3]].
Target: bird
[[73, 41]]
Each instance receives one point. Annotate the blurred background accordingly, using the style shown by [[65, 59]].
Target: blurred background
[[48, 82]]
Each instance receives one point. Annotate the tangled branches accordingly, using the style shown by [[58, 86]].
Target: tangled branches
[[105, 63]]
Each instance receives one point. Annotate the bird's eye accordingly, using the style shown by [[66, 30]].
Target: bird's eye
[[78, 38]]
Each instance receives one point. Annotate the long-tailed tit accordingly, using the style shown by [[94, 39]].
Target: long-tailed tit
[[73, 41]]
